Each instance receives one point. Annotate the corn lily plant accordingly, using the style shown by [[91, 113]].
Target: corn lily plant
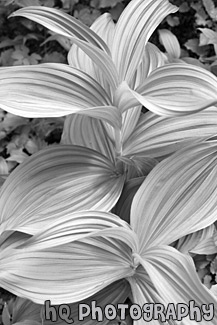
[[96, 253], [106, 141], [59, 240]]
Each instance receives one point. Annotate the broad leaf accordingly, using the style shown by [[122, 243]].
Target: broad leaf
[[88, 132], [61, 23], [158, 136], [144, 292], [51, 90], [133, 30], [101, 59], [104, 27], [116, 293], [200, 242], [66, 262], [57, 181], [172, 90], [152, 59], [26, 312], [85, 38], [129, 120], [174, 277], [177, 89], [177, 197]]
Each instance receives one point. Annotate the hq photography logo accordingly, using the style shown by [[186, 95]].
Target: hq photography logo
[[147, 312]]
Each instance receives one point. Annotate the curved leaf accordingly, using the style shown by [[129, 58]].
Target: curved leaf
[[61, 23], [76, 226], [177, 89], [200, 242], [175, 279], [129, 120], [104, 27], [115, 293], [170, 43], [152, 59], [144, 292], [27, 312], [88, 132], [51, 90], [71, 259], [134, 27], [100, 58], [84, 37], [56, 181], [158, 136], [178, 196]]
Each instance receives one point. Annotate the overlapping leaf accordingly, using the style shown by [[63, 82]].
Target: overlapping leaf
[[144, 292], [56, 181], [177, 197], [61, 23], [200, 242], [134, 27], [157, 136], [24, 311], [84, 245], [88, 132], [85, 38], [175, 279], [174, 89], [52, 90]]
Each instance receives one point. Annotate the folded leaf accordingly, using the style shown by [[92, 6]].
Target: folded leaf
[[158, 136], [104, 27], [172, 90], [144, 292], [81, 225], [134, 27], [85, 38], [56, 181], [130, 119], [178, 196], [61, 23], [115, 293], [177, 89], [101, 59], [200, 242], [71, 259], [51, 90], [151, 60], [175, 279], [88, 132], [24, 311]]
